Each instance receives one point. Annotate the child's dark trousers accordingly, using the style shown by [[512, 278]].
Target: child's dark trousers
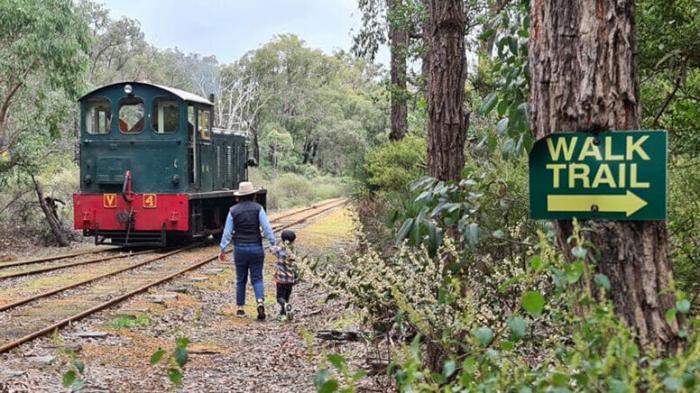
[[284, 291]]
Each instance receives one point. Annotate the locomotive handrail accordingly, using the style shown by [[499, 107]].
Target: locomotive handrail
[[127, 194]]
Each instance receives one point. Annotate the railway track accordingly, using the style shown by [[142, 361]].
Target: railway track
[[24, 324], [56, 262]]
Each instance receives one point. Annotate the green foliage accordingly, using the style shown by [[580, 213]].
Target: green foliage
[[578, 345], [73, 377], [44, 55], [487, 208], [129, 321], [393, 165], [329, 380], [43, 37], [176, 360], [670, 69], [331, 107], [684, 221], [506, 78], [277, 146]]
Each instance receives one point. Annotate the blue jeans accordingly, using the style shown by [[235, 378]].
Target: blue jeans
[[248, 257]]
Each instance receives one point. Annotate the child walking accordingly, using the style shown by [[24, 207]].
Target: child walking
[[286, 274]]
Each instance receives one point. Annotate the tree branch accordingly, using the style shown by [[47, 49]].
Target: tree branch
[[669, 98]]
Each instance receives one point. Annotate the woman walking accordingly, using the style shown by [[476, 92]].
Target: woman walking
[[243, 227]]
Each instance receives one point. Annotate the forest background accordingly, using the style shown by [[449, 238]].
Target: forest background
[[324, 125]]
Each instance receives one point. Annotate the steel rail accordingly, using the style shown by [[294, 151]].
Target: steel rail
[[99, 307], [66, 265], [38, 333], [314, 206], [325, 207], [28, 299], [55, 257]]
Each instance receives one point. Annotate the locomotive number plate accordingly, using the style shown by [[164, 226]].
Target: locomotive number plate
[[149, 201], [109, 200]]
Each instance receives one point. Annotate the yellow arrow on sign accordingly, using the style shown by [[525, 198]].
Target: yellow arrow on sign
[[628, 203]]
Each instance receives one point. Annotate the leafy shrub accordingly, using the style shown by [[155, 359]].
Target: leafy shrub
[[393, 165], [288, 190], [73, 377], [684, 222], [175, 361], [487, 209], [478, 298], [558, 336], [309, 171]]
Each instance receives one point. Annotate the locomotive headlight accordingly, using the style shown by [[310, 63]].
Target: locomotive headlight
[[128, 89]]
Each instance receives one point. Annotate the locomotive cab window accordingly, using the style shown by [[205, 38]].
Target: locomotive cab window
[[165, 115], [190, 123], [205, 124], [98, 116], [131, 115]]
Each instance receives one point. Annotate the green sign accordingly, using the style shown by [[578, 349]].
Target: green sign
[[618, 175]]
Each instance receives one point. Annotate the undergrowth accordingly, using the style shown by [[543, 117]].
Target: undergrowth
[[287, 190], [472, 296], [552, 334]]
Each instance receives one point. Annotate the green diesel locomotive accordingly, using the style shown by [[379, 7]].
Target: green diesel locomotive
[[153, 170]]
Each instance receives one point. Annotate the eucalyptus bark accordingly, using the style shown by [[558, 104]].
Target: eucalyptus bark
[[584, 77], [398, 40], [448, 118]]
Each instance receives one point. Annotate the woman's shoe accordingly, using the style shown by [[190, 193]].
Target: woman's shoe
[[240, 313], [261, 311]]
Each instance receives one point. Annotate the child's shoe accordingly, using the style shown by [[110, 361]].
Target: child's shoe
[[282, 317], [288, 310], [240, 313]]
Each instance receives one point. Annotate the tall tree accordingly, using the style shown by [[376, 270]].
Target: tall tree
[[584, 77], [43, 47], [448, 118], [382, 18], [398, 39], [41, 40]]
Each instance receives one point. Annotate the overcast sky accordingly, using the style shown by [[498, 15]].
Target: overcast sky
[[230, 28]]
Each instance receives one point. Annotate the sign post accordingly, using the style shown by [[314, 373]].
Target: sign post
[[613, 175]]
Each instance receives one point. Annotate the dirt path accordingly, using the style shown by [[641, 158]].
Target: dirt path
[[226, 354]]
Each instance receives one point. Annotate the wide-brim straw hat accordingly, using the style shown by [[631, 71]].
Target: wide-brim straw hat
[[244, 188]]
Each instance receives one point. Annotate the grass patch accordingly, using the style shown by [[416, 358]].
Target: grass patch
[[125, 321]]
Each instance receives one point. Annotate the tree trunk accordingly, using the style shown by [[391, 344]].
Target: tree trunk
[[256, 144], [398, 36], [584, 77], [425, 59], [54, 223], [448, 118]]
